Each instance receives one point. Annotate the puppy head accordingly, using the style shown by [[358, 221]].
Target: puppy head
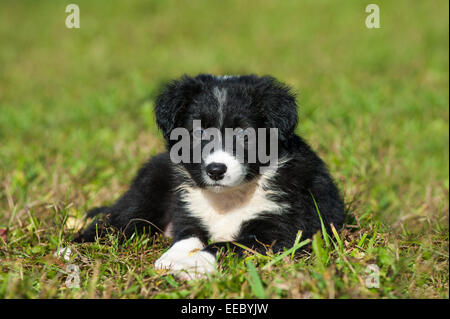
[[209, 108]]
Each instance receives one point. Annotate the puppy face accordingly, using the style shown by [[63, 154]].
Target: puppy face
[[223, 118]]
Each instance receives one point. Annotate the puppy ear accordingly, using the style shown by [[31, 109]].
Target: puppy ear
[[278, 105], [174, 98]]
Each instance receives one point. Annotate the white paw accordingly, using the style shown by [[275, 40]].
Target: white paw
[[187, 260], [187, 267], [196, 267], [170, 258], [179, 251]]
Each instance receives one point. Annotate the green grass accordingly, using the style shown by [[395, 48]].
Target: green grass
[[75, 127]]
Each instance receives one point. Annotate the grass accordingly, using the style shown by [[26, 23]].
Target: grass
[[75, 125]]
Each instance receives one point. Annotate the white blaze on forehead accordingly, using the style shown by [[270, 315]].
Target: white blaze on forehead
[[226, 77], [221, 96], [235, 171]]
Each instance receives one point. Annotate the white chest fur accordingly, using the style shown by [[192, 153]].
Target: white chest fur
[[222, 213]]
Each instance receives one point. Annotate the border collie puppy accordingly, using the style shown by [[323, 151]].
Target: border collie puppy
[[222, 199]]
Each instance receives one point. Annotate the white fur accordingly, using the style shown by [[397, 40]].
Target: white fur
[[185, 261], [235, 173], [226, 77], [179, 250], [221, 96], [222, 213], [168, 231]]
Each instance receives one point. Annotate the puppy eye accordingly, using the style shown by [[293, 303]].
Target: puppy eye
[[198, 133]]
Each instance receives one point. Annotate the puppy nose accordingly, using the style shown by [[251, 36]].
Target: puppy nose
[[216, 171]]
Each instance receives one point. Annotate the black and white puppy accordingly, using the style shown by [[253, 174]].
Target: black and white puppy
[[223, 199]]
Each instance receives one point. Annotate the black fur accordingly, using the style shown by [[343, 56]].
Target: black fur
[[153, 201]]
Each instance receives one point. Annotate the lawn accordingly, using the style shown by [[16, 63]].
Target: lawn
[[76, 122]]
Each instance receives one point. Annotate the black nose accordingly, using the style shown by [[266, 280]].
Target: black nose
[[216, 171]]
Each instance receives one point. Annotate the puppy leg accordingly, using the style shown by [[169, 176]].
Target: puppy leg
[[145, 206]]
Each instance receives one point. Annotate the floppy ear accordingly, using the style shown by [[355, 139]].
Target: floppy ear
[[175, 97], [278, 105]]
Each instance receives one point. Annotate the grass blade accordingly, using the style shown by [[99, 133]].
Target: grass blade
[[287, 252], [297, 240], [324, 230], [255, 281]]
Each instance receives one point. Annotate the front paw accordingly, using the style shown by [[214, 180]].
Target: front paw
[[195, 266], [169, 259]]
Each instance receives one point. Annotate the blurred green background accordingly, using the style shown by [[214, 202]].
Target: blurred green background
[[76, 117], [374, 102]]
